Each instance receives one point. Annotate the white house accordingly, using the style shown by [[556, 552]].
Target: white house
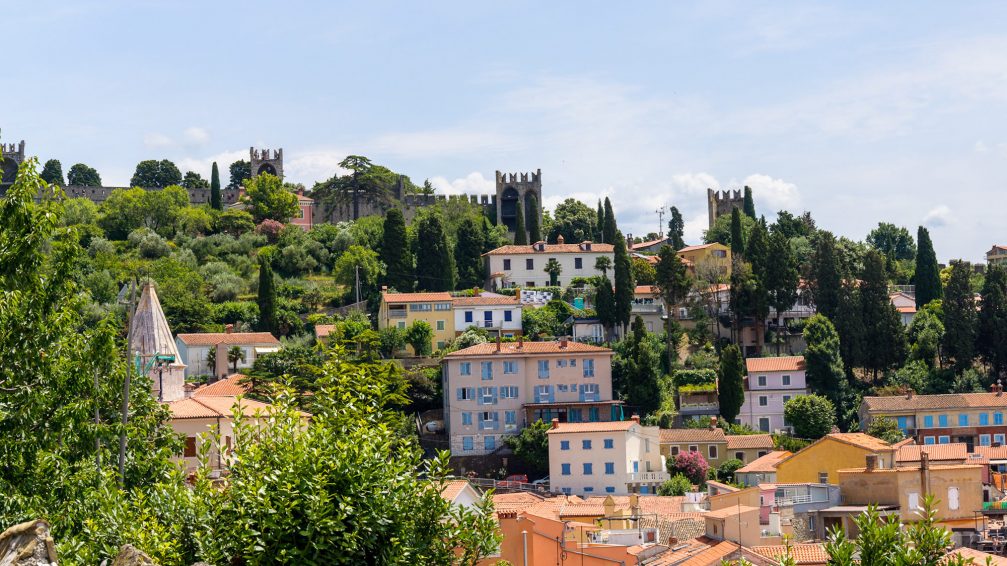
[[524, 266], [498, 314], [771, 382], [195, 348], [906, 305], [618, 457]]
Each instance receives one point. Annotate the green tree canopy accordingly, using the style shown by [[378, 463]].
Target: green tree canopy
[[152, 173], [267, 295], [960, 318], [812, 416], [991, 335], [884, 336], [52, 173], [396, 253], [609, 228], [83, 176], [573, 220], [730, 384], [676, 229], [886, 429], [193, 180], [268, 199], [534, 223], [894, 242], [927, 277], [240, 171], [435, 269], [531, 447], [625, 286], [520, 232], [749, 203]]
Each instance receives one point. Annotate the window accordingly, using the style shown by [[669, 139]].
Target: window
[[508, 316], [942, 420], [421, 307], [764, 424], [506, 265], [509, 392], [589, 392], [762, 453], [963, 419], [785, 399], [575, 415], [440, 325], [636, 466], [402, 325], [567, 490], [529, 264], [588, 368], [487, 369], [984, 440], [823, 477], [592, 414], [762, 381], [468, 316], [693, 448], [564, 387], [588, 489], [928, 421], [489, 420], [903, 423], [984, 418], [564, 444], [543, 369], [585, 444], [609, 489], [509, 367], [578, 263], [442, 307], [561, 363], [565, 469], [588, 468], [609, 468], [763, 400], [190, 447], [998, 418], [609, 443], [465, 368], [674, 450], [998, 438], [440, 344], [786, 380], [740, 456], [953, 498], [510, 417], [487, 395], [490, 442], [543, 394], [914, 501], [928, 440], [529, 284], [466, 393], [466, 419], [943, 440], [713, 452], [467, 443], [573, 362]]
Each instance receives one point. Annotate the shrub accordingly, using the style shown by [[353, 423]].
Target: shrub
[[726, 470], [678, 485], [695, 377], [270, 229], [690, 464], [812, 416], [149, 244]]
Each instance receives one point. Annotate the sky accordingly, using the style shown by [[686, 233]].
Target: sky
[[859, 112]]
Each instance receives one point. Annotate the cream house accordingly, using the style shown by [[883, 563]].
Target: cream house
[[524, 266], [618, 457], [499, 315], [195, 350]]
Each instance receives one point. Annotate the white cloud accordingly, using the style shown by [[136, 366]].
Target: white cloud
[[309, 167], [981, 147], [155, 140], [938, 216], [196, 136], [772, 194], [472, 184], [203, 165]]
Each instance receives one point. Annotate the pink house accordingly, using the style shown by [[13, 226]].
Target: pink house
[[771, 382], [303, 216]]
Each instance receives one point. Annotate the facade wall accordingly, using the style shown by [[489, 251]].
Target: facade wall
[[825, 457], [580, 470], [708, 257], [563, 381], [440, 317], [903, 487], [969, 425], [769, 417], [194, 357], [747, 455], [520, 275], [195, 429], [713, 452], [488, 317]]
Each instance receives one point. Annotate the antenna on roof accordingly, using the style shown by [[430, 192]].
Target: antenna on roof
[[660, 222]]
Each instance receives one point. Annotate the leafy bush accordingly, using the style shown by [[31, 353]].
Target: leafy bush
[[703, 376], [886, 429], [270, 229], [690, 464], [148, 243], [678, 485], [812, 416], [725, 472]]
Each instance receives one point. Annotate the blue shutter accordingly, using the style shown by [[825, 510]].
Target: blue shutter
[[493, 392], [460, 393]]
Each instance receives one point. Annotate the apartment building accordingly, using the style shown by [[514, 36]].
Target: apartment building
[[402, 309], [499, 315], [771, 382], [976, 419], [524, 266], [616, 457], [495, 389]]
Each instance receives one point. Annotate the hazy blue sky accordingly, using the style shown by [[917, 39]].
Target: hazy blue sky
[[859, 112]]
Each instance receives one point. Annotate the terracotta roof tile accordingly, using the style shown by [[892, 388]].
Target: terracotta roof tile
[[323, 330], [860, 439], [936, 452], [214, 407], [646, 290], [647, 244], [764, 464], [699, 247], [979, 557], [518, 501], [232, 338], [517, 349], [992, 452], [700, 551], [230, 386], [603, 426], [935, 402], [396, 298], [680, 435], [552, 249], [453, 488], [753, 441], [813, 553], [784, 363], [485, 301]]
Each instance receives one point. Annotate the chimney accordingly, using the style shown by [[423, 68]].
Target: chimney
[[555, 423], [872, 463], [498, 344], [909, 393], [560, 239], [924, 473], [635, 418], [563, 343], [713, 423], [634, 505], [220, 360], [520, 341], [229, 328]]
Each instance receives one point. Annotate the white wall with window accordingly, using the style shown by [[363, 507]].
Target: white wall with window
[[614, 458]]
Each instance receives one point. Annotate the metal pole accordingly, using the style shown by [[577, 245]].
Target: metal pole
[[356, 275], [125, 384], [524, 542]]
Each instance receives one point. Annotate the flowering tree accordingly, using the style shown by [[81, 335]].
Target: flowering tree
[[270, 229], [690, 464]]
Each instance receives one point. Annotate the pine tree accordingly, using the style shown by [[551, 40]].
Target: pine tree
[[849, 323], [927, 277], [599, 227], [991, 338], [781, 277], [676, 229], [52, 173], [884, 337], [468, 254], [730, 385], [673, 282], [534, 228], [609, 229], [604, 305], [749, 203], [395, 252], [825, 372], [215, 200], [737, 237], [826, 276], [625, 288], [520, 233], [267, 295], [435, 270], [959, 317], [757, 299], [641, 387]]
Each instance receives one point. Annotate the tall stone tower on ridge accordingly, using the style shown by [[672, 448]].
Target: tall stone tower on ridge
[[720, 203], [12, 156], [513, 188], [266, 161]]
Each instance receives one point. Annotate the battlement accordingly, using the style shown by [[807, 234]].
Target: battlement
[[264, 154], [13, 149], [519, 178], [728, 196], [429, 200], [720, 203]]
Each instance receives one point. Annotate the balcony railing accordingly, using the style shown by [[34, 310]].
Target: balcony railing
[[649, 477], [397, 314], [795, 500]]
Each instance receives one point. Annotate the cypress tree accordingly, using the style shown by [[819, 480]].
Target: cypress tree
[[534, 228], [757, 299], [625, 288], [604, 305], [781, 276], [927, 277], [884, 337], [673, 282], [749, 203], [599, 227], [826, 277], [641, 387], [52, 173], [267, 295], [609, 229], [215, 200], [730, 385], [849, 323], [435, 270], [991, 338], [395, 252], [676, 229], [520, 234], [468, 254], [959, 317], [737, 235]]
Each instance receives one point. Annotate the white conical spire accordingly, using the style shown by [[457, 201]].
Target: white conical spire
[[152, 337]]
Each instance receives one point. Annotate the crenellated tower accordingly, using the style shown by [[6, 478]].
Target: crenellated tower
[[266, 161], [513, 188], [720, 203], [13, 156]]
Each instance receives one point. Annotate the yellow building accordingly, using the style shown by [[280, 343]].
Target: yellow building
[[708, 255], [402, 309], [710, 442], [821, 461]]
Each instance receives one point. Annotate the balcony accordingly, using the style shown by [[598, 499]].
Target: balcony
[[396, 313], [648, 308], [649, 477]]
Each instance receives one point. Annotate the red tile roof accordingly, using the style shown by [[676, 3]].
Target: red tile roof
[[683, 435], [323, 330], [699, 247], [453, 488], [485, 301], [764, 464], [936, 452], [604, 426], [699, 551], [812, 553], [860, 439], [230, 386], [552, 249], [979, 557], [230, 338], [991, 452], [396, 298], [935, 402], [646, 290], [647, 244], [784, 363], [749, 441], [214, 407], [517, 349]]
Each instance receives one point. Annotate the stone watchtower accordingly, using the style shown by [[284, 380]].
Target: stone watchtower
[[513, 188], [720, 203], [13, 155], [266, 161]]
